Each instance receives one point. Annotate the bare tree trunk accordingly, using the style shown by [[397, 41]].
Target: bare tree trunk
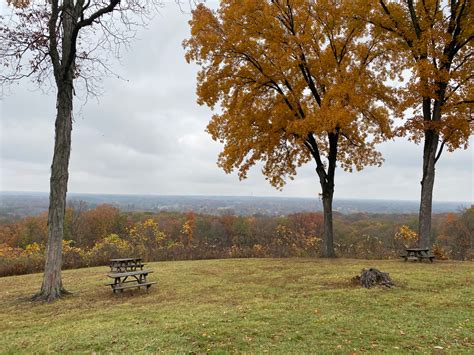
[[427, 183], [328, 247], [52, 288]]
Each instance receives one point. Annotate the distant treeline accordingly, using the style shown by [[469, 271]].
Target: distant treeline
[[19, 205], [93, 236]]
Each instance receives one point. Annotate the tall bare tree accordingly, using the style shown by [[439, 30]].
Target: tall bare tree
[[67, 40]]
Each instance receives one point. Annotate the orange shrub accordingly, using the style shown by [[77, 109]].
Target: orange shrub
[[407, 236], [17, 261], [440, 252]]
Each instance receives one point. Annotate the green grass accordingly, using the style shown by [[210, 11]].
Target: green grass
[[248, 305]]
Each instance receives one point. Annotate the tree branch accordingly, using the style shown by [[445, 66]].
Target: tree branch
[[83, 23], [53, 41], [414, 19], [440, 150], [398, 30]]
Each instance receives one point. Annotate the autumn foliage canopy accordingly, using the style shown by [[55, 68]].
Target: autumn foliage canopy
[[432, 43], [285, 77]]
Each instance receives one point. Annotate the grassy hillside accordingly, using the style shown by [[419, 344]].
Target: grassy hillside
[[252, 305]]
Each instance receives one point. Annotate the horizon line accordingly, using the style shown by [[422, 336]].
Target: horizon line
[[232, 196]]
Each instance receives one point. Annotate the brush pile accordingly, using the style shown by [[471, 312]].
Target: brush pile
[[371, 277]]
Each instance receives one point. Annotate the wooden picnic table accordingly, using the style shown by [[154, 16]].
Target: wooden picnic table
[[418, 254], [128, 273]]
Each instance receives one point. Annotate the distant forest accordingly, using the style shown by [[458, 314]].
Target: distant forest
[[94, 235], [18, 205]]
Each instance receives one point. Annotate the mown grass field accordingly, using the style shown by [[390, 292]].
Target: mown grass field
[[248, 305]]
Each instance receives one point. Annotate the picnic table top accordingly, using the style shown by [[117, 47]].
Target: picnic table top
[[124, 259], [417, 249]]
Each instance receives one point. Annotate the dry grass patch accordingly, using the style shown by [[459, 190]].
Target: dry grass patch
[[249, 305]]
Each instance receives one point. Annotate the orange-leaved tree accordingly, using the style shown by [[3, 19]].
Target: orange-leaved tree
[[433, 40], [295, 80]]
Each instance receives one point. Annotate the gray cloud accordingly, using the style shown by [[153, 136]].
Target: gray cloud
[[146, 134]]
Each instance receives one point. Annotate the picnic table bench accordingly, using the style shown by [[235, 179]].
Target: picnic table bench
[[418, 254], [128, 273], [126, 264]]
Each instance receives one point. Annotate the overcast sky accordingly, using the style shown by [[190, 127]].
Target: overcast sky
[[146, 135]]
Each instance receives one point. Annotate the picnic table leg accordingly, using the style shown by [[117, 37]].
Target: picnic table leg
[[116, 283], [119, 282]]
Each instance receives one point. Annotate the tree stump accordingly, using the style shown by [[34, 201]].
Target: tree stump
[[371, 277]]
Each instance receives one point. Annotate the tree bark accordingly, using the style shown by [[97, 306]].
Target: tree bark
[[427, 183], [52, 287], [328, 247], [430, 114], [326, 179]]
